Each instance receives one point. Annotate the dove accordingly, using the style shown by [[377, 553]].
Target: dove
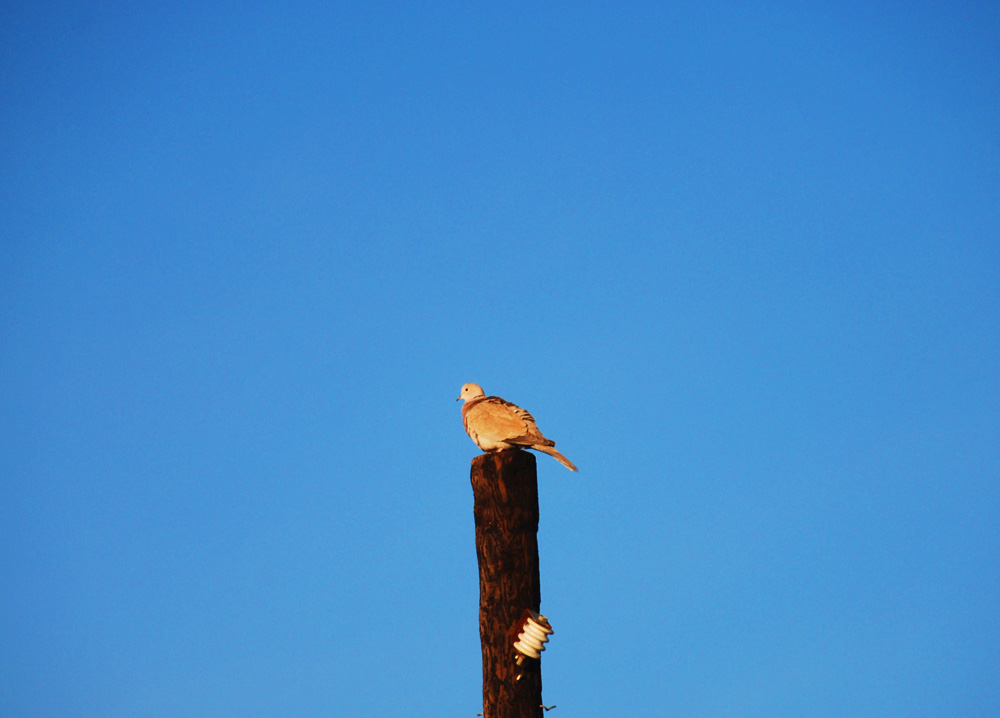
[[494, 425]]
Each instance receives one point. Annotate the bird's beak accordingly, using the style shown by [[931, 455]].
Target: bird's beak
[[458, 398]]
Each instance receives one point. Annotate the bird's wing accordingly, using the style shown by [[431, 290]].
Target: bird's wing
[[498, 420]]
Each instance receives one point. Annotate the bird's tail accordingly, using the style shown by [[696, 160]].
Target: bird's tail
[[556, 455]]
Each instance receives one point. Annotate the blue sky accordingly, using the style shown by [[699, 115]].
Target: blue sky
[[740, 260]]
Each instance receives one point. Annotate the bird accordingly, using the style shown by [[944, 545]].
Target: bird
[[494, 424]]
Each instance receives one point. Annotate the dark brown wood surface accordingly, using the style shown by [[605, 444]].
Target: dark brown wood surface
[[505, 487]]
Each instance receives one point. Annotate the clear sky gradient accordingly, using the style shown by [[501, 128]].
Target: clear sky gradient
[[740, 260]]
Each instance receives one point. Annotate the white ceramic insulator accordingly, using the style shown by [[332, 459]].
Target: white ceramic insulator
[[535, 641], [527, 650], [531, 641], [535, 630], [542, 623]]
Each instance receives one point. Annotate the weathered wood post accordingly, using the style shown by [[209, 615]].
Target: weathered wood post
[[505, 487]]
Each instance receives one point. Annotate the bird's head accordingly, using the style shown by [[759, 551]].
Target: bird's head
[[470, 391]]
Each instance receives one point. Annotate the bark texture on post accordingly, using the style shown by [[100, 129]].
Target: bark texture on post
[[505, 486]]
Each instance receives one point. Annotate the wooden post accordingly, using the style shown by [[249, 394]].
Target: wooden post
[[505, 487]]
